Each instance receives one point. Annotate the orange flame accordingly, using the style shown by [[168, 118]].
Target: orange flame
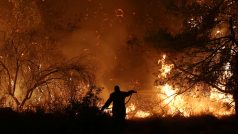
[[194, 103], [216, 103]]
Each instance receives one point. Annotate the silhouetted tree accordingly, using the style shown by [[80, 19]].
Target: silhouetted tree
[[32, 67], [211, 56]]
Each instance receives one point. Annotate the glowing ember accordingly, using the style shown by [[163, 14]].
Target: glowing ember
[[119, 13], [218, 32]]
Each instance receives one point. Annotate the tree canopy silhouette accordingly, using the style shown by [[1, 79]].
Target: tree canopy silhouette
[[210, 57]]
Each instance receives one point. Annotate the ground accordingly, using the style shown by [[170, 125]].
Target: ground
[[59, 123]]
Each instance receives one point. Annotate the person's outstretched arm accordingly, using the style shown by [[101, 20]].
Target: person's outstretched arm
[[129, 92], [108, 102]]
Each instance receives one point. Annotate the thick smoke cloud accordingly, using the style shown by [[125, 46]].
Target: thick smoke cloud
[[112, 33]]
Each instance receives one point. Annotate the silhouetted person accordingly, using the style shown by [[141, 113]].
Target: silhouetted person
[[119, 108]]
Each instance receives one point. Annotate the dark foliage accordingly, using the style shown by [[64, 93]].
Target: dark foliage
[[96, 122]]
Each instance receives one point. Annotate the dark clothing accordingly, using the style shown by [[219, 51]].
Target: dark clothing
[[119, 108]]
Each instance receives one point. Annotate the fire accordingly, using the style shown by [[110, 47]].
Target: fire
[[219, 31], [133, 113], [165, 68], [142, 114], [194, 102], [170, 101]]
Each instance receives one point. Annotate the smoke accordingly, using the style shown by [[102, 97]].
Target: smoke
[[112, 34]]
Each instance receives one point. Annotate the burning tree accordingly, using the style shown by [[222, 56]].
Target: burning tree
[[212, 61], [32, 71], [24, 70]]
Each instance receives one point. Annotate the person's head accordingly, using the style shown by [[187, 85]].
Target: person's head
[[116, 88]]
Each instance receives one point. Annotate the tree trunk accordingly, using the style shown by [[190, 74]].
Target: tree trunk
[[235, 97], [23, 103], [234, 69]]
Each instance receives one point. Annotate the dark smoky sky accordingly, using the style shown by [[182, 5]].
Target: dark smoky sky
[[111, 32]]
